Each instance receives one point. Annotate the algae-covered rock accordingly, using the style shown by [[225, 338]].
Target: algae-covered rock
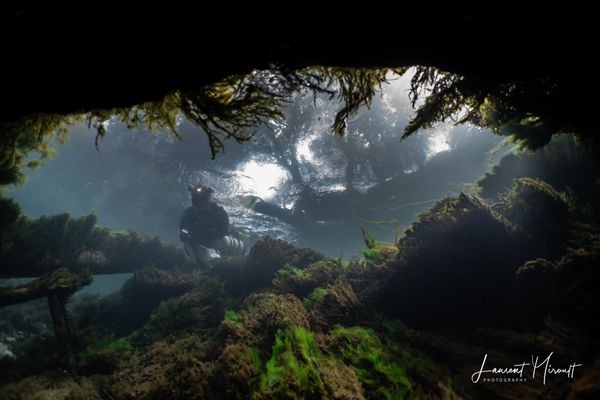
[[50, 386], [184, 369], [123, 312], [200, 308], [231, 271], [340, 380], [336, 304], [104, 356], [539, 211], [257, 270], [301, 281], [576, 300], [269, 255], [262, 316], [535, 284], [453, 267], [240, 367]]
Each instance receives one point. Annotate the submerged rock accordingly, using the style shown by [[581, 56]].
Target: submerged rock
[[453, 266], [336, 305], [200, 308], [240, 365], [184, 369], [50, 386], [266, 257], [541, 213], [262, 316], [123, 312], [302, 281]]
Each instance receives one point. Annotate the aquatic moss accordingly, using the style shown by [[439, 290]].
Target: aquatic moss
[[361, 349], [230, 315], [51, 385], [540, 211], [372, 255], [302, 281], [241, 365], [121, 346], [268, 256], [338, 305], [200, 308], [183, 369], [316, 295], [292, 371], [104, 356], [262, 316], [377, 252], [459, 254]]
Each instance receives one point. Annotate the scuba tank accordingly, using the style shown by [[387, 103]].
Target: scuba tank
[[202, 256], [230, 246]]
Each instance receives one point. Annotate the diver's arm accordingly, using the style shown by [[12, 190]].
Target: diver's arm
[[282, 214], [185, 229]]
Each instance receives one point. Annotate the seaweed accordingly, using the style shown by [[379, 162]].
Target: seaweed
[[292, 372], [314, 296], [364, 352], [104, 356]]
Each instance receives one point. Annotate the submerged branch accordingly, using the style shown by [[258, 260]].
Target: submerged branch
[[61, 282]]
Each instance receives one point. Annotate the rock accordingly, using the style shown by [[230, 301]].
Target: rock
[[458, 256], [240, 365], [534, 287], [121, 313], [50, 386], [200, 308], [184, 369], [337, 306], [268, 256], [262, 316], [302, 281], [540, 212], [341, 381]]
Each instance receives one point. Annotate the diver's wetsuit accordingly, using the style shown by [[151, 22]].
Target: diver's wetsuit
[[204, 225]]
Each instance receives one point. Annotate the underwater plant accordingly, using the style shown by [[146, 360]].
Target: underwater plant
[[121, 345], [363, 351], [104, 356], [314, 296]]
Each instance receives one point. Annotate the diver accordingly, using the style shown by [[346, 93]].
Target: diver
[[204, 230]]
